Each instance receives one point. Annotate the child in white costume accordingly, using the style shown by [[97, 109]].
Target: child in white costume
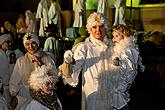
[[126, 60]]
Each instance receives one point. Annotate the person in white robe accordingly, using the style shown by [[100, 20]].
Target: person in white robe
[[30, 21], [18, 84], [120, 6], [103, 7], [125, 63], [91, 59], [5, 65], [42, 16], [42, 85], [79, 14], [54, 15]]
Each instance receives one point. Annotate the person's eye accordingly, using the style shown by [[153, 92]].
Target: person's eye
[[94, 27]]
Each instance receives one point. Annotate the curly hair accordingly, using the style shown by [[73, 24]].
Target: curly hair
[[124, 30]]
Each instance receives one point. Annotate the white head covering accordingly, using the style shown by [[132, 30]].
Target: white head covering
[[5, 37], [31, 37], [41, 75], [96, 19]]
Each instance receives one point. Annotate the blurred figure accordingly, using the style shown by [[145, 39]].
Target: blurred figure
[[79, 14], [30, 22], [5, 43], [21, 25], [42, 16], [120, 6], [54, 15]]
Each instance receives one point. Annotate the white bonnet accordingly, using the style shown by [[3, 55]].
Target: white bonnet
[[31, 36], [5, 37], [97, 19], [41, 75]]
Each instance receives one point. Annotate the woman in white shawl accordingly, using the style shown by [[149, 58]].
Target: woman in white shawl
[[18, 84]]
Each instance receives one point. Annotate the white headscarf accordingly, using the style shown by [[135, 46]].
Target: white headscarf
[[31, 36]]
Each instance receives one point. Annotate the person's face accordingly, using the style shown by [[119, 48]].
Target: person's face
[[6, 45], [117, 37], [31, 47], [48, 87], [2, 30], [98, 32]]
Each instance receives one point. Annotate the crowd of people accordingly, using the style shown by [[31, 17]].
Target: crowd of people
[[98, 68]]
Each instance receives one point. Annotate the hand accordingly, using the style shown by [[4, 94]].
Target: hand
[[37, 60], [68, 56]]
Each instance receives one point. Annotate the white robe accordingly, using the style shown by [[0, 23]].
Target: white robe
[[120, 6], [79, 19], [92, 58], [103, 7], [42, 14], [54, 15], [18, 84]]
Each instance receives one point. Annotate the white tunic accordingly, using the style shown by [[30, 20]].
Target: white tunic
[[42, 14], [92, 58], [79, 19], [120, 6]]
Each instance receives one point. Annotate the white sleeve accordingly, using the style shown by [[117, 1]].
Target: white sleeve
[[79, 57]]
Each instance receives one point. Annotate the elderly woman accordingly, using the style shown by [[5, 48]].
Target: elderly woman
[[25, 65], [42, 84], [92, 61]]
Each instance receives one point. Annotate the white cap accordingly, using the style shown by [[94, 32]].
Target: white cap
[[31, 37]]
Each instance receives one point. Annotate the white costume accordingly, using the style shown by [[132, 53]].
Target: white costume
[[92, 58], [120, 6], [103, 7], [80, 14], [42, 14], [30, 22], [124, 74], [54, 15]]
